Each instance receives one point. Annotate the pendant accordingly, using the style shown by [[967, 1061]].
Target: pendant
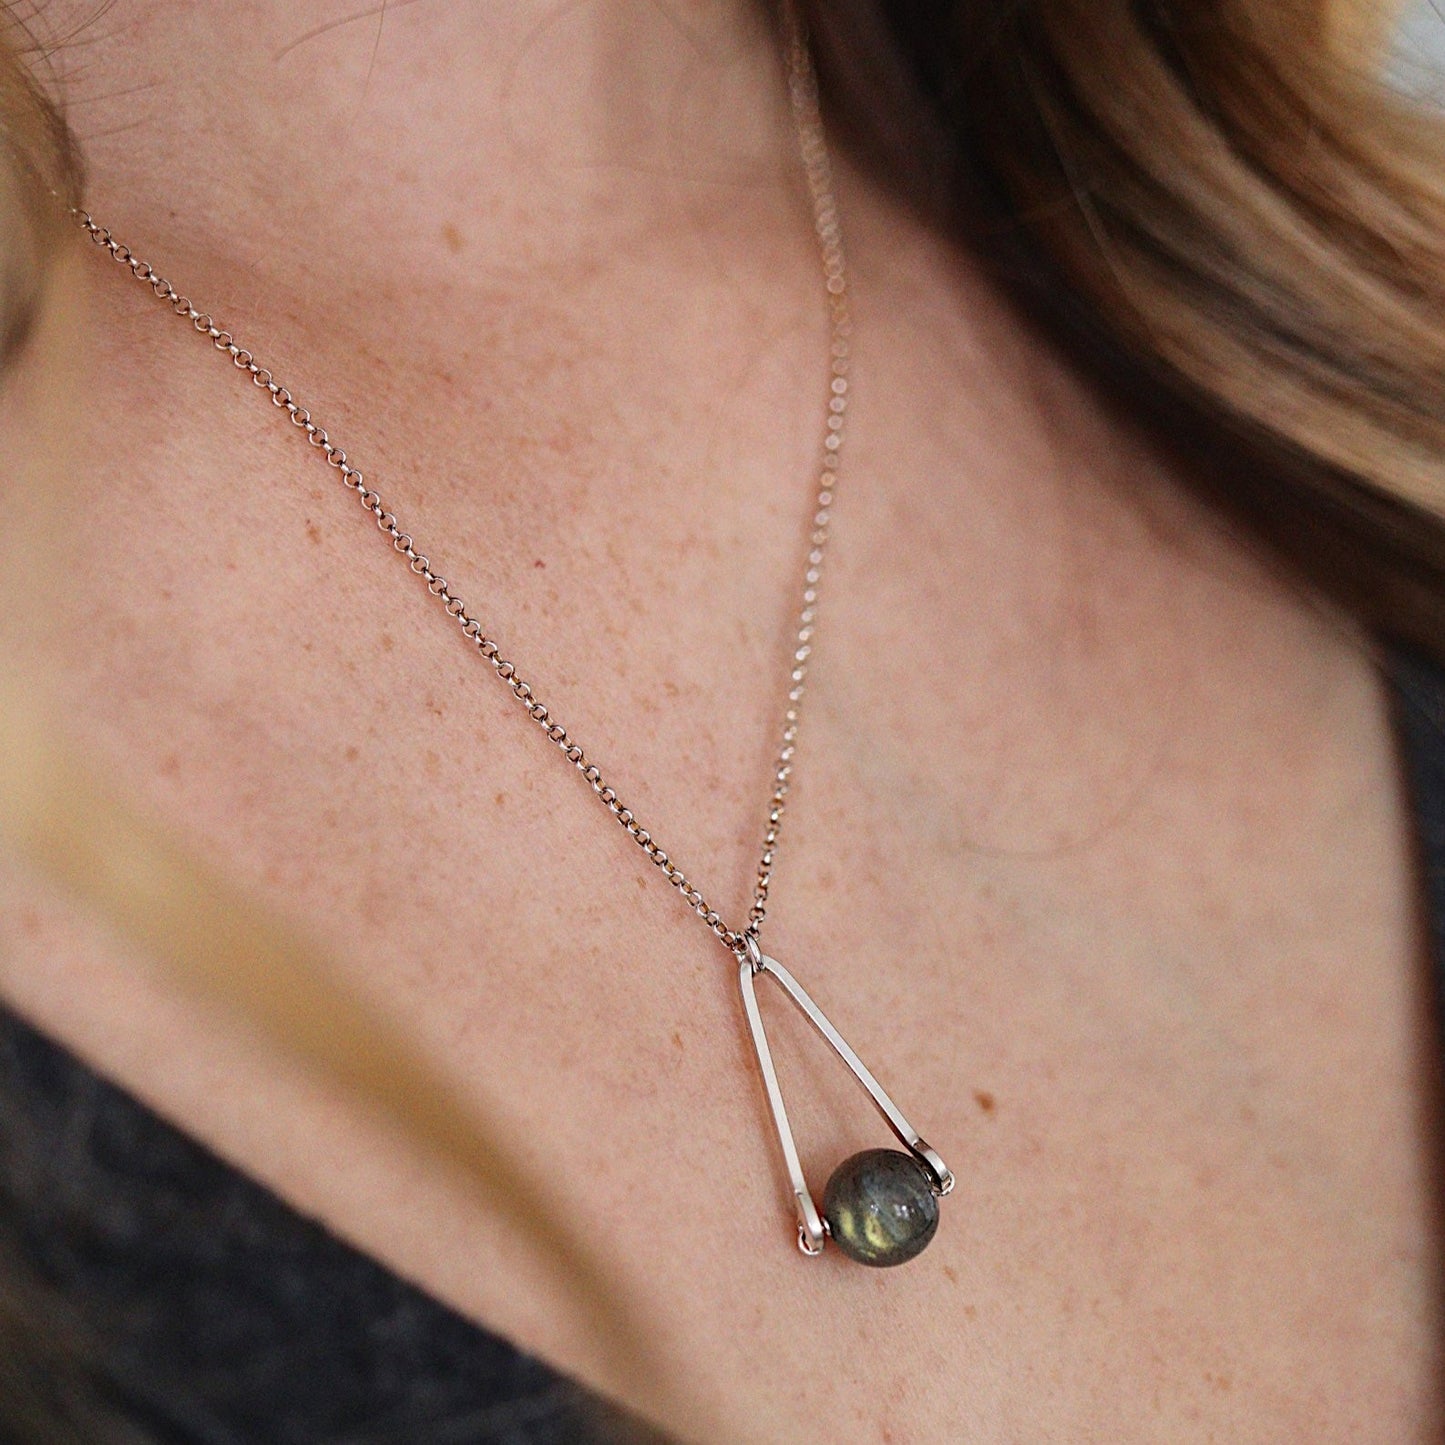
[[880, 1206]]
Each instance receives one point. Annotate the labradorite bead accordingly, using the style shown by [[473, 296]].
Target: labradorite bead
[[880, 1207]]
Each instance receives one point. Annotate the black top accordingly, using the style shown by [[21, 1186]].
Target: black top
[[213, 1313]]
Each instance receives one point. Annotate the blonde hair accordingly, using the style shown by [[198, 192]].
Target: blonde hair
[[1234, 227]]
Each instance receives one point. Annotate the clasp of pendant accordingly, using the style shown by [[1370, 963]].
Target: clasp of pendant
[[928, 1157], [752, 955], [810, 1245]]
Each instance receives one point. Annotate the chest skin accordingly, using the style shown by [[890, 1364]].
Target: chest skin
[[1096, 852]]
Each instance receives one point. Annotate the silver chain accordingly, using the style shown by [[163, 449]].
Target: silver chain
[[812, 144]]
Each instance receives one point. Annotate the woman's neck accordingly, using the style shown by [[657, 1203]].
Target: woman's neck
[[421, 137]]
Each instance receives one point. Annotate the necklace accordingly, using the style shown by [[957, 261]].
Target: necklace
[[881, 1205]]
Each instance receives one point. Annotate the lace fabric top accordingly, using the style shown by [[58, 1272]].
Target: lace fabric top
[[216, 1314]]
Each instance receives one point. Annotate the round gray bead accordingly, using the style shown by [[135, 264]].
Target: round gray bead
[[880, 1207]]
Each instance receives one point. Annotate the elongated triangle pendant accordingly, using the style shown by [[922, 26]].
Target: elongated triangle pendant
[[880, 1206]]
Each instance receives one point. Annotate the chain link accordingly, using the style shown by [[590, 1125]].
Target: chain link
[[812, 144]]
